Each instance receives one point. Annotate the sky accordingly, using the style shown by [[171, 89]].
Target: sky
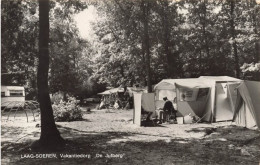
[[84, 19]]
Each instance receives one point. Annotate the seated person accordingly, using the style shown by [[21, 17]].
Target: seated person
[[168, 110], [158, 114]]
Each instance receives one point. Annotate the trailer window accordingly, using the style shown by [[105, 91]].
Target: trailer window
[[2, 94], [16, 93]]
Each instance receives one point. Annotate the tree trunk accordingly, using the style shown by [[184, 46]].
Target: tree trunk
[[233, 35], [256, 24], [166, 40], [201, 66], [50, 138], [145, 5], [65, 96], [205, 40], [144, 73], [257, 51]]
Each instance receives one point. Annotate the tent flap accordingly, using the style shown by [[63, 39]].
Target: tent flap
[[250, 93]]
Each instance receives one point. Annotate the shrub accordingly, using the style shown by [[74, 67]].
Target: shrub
[[56, 98], [251, 71], [67, 111]]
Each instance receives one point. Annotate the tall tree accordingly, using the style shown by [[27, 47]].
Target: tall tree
[[186, 38], [19, 33], [66, 47], [50, 138], [233, 34], [166, 19], [254, 16], [125, 37], [145, 7], [199, 33], [20, 21]]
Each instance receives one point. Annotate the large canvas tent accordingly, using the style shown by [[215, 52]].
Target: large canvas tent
[[221, 102], [247, 109], [206, 96], [191, 87]]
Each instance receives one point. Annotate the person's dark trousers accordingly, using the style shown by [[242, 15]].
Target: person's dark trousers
[[165, 116], [175, 114], [161, 116]]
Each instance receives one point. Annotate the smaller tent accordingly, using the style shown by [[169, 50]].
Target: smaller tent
[[247, 109], [110, 96]]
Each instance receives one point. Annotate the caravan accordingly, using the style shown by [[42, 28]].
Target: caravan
[[12, 93]]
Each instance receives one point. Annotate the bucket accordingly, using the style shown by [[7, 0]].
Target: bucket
[[179, 120], [188, 119]]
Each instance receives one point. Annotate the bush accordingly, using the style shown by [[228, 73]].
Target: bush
[[67, 111], [56, 98], [251, 71]]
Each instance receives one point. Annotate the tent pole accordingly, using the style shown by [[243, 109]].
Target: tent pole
[[214, 104], [232, 104], [245, 114]]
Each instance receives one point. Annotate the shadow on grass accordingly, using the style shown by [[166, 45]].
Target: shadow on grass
[[222, 129], [13, 131], [144, 151], [83, 119]]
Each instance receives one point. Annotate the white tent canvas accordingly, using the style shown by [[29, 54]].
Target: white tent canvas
[[247, 110], [137, 109], [145, 101], [221, 105]]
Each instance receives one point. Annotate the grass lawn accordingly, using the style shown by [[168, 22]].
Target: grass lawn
[[109, 137]]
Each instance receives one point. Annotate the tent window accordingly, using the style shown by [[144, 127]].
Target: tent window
[[2, 94], [188, 94], [170, 94], [203, 92], [16, 93]]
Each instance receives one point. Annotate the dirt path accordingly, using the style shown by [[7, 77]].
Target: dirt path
[[109, 137]]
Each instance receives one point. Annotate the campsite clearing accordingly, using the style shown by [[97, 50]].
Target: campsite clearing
[[109, 137]]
